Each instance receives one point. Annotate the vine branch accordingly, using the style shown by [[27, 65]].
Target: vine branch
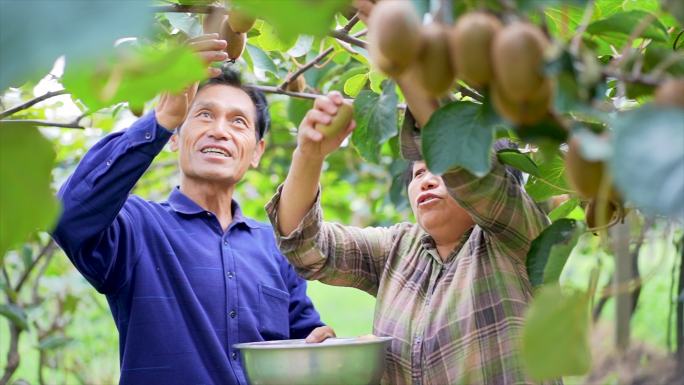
[[29, 103]]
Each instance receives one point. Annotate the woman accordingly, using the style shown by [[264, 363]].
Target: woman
[[451, 289]]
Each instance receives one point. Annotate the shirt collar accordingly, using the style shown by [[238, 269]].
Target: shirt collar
[[181, 203]]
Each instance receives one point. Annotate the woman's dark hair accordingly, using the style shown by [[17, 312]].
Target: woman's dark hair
[[501, 144], [230, 77]]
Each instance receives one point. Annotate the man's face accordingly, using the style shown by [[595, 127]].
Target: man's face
[[434, 209], [217, 141]]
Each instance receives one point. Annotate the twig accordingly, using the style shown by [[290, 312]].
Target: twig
[[340, 34], [643, 79], [49, 247], [291, 77], [12, 354], [351, 23], [43, 123], [182, 8], [302, 95], [31, 102], [586, 19], [636, 32]]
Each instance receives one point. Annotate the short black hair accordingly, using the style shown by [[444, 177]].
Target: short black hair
[[501, 144], [230, 77]]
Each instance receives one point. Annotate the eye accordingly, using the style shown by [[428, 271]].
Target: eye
[[204, 114], [418, 172], [241, 121]]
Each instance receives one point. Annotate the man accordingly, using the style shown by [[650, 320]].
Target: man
[[451, 289], [187, 278]]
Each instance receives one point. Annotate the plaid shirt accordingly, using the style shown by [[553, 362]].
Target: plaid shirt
[[453, 322]]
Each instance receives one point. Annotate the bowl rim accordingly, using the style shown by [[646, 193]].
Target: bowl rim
[[298, 343]]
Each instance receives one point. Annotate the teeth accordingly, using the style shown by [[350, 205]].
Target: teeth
[[214, 150]]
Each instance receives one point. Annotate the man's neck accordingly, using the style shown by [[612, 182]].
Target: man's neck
[[216, 198]]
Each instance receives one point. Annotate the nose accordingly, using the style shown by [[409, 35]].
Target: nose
[[220, 130], [429, 181]]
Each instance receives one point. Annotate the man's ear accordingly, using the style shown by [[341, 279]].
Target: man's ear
[[258, 152], [173, 142]]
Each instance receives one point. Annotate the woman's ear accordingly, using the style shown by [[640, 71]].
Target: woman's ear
[[173, 142]]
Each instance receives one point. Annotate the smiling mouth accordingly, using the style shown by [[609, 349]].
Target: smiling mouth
[[215, 150]]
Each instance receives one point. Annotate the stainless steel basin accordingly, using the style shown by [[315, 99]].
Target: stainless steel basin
[[343, 361]]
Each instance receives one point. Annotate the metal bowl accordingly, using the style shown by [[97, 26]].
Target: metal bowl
[[343, 361]]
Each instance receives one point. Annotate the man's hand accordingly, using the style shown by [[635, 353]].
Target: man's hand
[[320, 334], [172, 108], [310, 141]]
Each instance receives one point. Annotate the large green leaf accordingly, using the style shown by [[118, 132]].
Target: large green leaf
[[564, 209], [15, 314], [293, 17], [27, 202], [622, 24], [552, 181], [35, 33], [550, 250], [376, 120], [459, 134], [135, 76], [355, 84], [648, 160], [262, 62], [676, 8], [555, 339], [515, 158]]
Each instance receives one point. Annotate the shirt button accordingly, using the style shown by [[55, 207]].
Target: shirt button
[[225, 243], [234, 355], [109, 163], [148, 135], [232, 314], [208, 214], [230, 275]]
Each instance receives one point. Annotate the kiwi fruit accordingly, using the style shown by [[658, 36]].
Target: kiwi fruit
[[394, 38], [297, 84], [339, 122], [518, 59], [583, 175], [236, 40], [670, 93], [433, 64], [470, 45], [523, 113], [239, 21]]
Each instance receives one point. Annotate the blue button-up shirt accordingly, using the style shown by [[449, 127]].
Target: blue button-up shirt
[[181, 290]]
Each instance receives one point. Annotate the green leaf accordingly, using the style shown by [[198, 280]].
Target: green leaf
[[550, 250], [135, 77], [376, 120], [518, 160], [622, 24], [297, 108], [54, 342], [564, 209], [676, 9], [648, 160], [15, 314], [27, 202], [355, 84], [459, 134], [293, 17], [530, 5], [555, 340], [552, 181], [34, 34], [262, 61], [185, 22], [302, 46]]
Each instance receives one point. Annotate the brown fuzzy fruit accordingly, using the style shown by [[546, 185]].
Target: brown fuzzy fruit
[[523, 113], [518, 58], [236, 41], [212, 22], [583, 175], [608, 211], [394, 39], [670, 93], [470, 46], [240, 21], [433, 65], [297, 84], [339, 122]]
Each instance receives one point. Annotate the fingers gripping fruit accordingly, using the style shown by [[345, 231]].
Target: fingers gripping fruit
[[339, 122]]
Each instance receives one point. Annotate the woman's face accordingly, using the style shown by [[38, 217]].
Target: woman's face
[[435, 210]]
